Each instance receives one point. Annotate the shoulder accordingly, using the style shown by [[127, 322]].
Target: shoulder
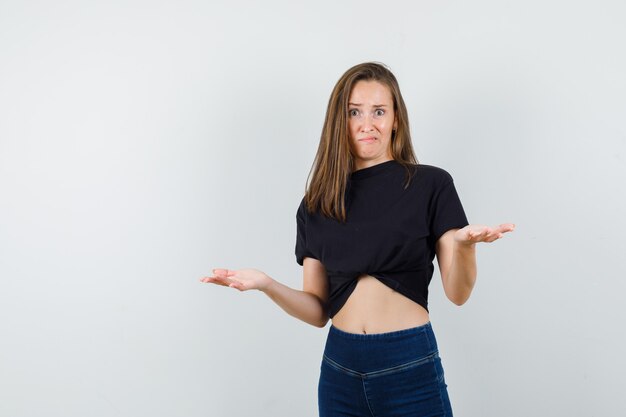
[[432, 171], [302, 212], [432, 175]]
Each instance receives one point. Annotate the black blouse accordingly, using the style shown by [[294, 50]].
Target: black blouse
[[390, 232]]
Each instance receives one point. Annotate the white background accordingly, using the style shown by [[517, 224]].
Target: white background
[[143, 143]]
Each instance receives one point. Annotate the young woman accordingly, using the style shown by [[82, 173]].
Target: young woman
[[368, 229]]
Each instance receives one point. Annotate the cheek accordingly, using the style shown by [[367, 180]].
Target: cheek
[[385, 127], [352, 129]]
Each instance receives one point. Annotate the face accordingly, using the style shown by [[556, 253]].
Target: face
[[371, 120]]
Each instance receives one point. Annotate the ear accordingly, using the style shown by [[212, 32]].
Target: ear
[[395, 123]]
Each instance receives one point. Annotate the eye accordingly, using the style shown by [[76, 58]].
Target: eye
[[353, 112], [379, 112]]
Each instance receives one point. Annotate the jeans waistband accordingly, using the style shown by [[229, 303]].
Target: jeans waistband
[[376, 336], [372, 352]]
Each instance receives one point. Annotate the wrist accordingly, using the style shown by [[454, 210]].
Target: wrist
[[267, 284], [465, 246]]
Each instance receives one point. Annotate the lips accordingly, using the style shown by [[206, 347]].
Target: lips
[[368, 140]]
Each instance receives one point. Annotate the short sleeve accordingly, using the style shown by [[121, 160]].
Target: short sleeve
[[447, 210], [301, 248]]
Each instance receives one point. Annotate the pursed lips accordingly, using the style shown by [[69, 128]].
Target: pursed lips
[[368, 139]]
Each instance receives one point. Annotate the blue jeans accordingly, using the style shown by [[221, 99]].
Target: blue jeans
[[382, 375]]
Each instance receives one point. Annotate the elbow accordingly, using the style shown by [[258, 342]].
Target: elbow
[[458, 299], [458, 302], [321, 323], [323, 318], [459, 294], [319, 317]]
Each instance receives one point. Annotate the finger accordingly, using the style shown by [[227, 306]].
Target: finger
[[214, 282], [506, 227], [217, 280], [474, 234], [483, 234], [223, 272], [237, 285], [220, 272], [493, 237]]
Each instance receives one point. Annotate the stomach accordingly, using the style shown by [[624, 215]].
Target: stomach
[[373, 307]]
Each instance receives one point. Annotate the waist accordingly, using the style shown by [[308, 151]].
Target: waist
[[374, 307], [372, 352]]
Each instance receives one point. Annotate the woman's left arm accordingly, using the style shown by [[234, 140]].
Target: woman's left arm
[[456, 255]]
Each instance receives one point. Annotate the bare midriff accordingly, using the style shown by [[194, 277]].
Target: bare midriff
[[373, 307]]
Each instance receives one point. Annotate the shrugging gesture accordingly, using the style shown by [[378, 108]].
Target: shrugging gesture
[[308, 305], [456, 255], [366, 178], [475, 233], [242, 279]]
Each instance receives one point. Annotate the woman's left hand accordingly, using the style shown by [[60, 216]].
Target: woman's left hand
[[474, 233]]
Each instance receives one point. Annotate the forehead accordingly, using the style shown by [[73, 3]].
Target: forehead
[[370, 92]]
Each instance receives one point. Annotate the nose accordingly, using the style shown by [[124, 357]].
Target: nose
[[367, 123]]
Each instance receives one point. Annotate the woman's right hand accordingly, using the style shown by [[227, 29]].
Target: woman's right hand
[[242, 279]]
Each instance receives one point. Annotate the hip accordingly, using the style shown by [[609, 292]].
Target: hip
[[395, 373]]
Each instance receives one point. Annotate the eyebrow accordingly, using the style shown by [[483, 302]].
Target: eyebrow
[[359, 104]]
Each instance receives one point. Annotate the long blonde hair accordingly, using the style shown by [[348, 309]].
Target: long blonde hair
[[334, 162]]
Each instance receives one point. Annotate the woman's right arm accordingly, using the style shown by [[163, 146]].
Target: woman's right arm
[[308, 305]]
